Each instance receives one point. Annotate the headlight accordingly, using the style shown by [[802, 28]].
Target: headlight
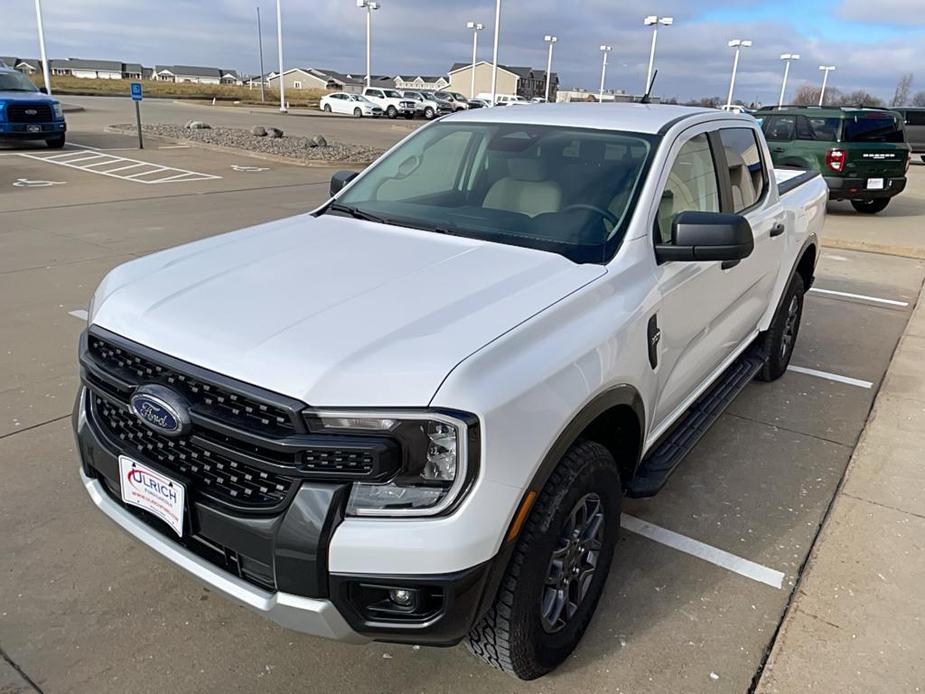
[[56, 107], [439, 452]]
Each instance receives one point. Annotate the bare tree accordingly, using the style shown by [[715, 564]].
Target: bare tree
[[919, 99], [901, 95], [860, 97], [808, 95]]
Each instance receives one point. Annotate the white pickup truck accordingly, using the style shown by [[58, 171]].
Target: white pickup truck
[[412, 415], [391, 101]]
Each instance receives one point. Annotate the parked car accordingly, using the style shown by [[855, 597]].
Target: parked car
[[861, 152], [504, 99], [914, 121], [28, 114], [426, 105], [391, 101], [470, 353], [478, 103], [355, 105], [457, 100]]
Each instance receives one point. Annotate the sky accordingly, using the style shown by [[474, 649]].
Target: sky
[[872, 42]]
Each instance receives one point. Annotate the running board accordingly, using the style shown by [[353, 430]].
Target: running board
[[658, 465]]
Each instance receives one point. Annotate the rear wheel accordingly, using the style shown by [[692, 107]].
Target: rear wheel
[[557, 572], [327, 108], [781, 337], [870, 206], [56, 142], [391, 112]]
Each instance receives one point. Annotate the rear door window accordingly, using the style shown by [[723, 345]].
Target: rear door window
[[873, 126], [746, 170], [781, 128]]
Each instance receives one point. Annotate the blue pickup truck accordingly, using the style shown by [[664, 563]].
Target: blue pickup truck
[[28, 114]]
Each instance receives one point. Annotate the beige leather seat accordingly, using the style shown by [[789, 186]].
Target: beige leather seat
[[743, 187], [525, 190]]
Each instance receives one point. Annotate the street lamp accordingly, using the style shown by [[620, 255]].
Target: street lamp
[[825, 80], [738, 44], [653, 21], [279, 43], [476, 28], [551, 40], [369, 6], [605, 50], [783, 88], [46, 73], [494, 60]]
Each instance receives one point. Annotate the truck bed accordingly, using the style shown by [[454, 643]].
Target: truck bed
[[788, 179]]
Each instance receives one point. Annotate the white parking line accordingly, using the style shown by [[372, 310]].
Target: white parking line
[[79, 313], [838, 378], [91, 164], [862, 297], [713, 555]]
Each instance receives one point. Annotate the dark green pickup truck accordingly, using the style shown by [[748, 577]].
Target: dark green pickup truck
[[862, 153]]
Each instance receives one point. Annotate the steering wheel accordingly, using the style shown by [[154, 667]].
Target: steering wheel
[[606, 214]]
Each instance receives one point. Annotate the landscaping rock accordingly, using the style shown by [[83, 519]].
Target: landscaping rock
[[318, 141], [198, 125], [274, 132], [259, 131]]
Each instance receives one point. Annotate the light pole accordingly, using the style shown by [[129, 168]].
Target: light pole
[[605, 50], [783, 88], [476, 28], [46, 72], [825, 81], [494, 60], [279, 43], [551, 40], [263, 96], [738, 44], [654, 21], [369, 6]]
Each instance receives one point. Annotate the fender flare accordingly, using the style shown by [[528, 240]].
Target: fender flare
[[811, 241]]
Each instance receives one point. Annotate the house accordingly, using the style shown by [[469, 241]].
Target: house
[[317, 78], [188, 73], [133, 71], [87, 69], [27, 66], [432, 83], [520, 81], [231, 77]]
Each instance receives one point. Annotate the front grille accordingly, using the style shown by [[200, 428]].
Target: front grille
[[211, 475], [29, 113], [233, 408], [353, 463]]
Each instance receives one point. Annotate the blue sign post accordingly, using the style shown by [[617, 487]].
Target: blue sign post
[[137, 96]]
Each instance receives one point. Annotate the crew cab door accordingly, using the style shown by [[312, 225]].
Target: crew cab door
[[709, 310]]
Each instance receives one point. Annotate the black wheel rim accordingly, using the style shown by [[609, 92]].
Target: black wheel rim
[[573, 563], [790, 327]]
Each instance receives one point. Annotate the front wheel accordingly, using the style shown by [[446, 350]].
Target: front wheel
[[781, 337], [357, 113], [429, 113], [391, 112], [558, 569], [56, 142], [870, 206]]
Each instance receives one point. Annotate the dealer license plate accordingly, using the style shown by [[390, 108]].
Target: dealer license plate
[[34, 128], [874, 184], [157, 494]]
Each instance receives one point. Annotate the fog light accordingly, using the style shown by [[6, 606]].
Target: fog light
[[401, 597]]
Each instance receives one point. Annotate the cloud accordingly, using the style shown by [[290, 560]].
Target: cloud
[[889, 12], [427, 36]]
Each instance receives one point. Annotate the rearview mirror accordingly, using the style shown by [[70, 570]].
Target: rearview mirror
[[340, 180], [699, 236]]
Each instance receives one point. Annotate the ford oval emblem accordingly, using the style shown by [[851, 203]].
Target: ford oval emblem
[[31, 112], [161, 410]]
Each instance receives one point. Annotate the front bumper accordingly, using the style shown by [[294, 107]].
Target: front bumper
[[856, 188], [32, 131]]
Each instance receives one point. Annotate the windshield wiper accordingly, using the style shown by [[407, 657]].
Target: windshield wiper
[[356, 213]]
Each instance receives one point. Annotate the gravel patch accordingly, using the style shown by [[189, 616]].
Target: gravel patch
[[298, 148]]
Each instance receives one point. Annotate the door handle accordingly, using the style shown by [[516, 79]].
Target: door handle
[[778, 150], [778, 229]]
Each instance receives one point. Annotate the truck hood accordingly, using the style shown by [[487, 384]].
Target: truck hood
[[330, 310], [34, 97]]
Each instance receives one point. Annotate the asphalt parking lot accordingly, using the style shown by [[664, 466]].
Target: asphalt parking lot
[[703, 572]]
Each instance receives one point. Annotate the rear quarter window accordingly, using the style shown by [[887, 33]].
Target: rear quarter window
[[873, 127]]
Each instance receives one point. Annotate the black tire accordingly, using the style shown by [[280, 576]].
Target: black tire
[[870, 206], [357, 112], [391, 112], [327, 108], [56, 142], [429, 113], [781, 337], [517, 635], [409, 116]]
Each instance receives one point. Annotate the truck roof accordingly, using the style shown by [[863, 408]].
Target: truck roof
[[631, 117]]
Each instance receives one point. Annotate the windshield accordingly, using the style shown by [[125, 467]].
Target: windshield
[[872, 126], [360, 97], [392, 94], [566, 190], [16, 82]]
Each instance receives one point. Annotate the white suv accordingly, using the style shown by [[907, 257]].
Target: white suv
[[391, 101], [412, 415]]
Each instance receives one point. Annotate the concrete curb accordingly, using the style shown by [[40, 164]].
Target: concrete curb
[[264, 156], [854, 623], [830, 243]]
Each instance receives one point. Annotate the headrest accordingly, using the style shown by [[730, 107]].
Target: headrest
[[734, 158], [526, 169]]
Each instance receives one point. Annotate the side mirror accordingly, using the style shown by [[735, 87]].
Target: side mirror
[[340, 180], [44, 90], [699, 236]]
